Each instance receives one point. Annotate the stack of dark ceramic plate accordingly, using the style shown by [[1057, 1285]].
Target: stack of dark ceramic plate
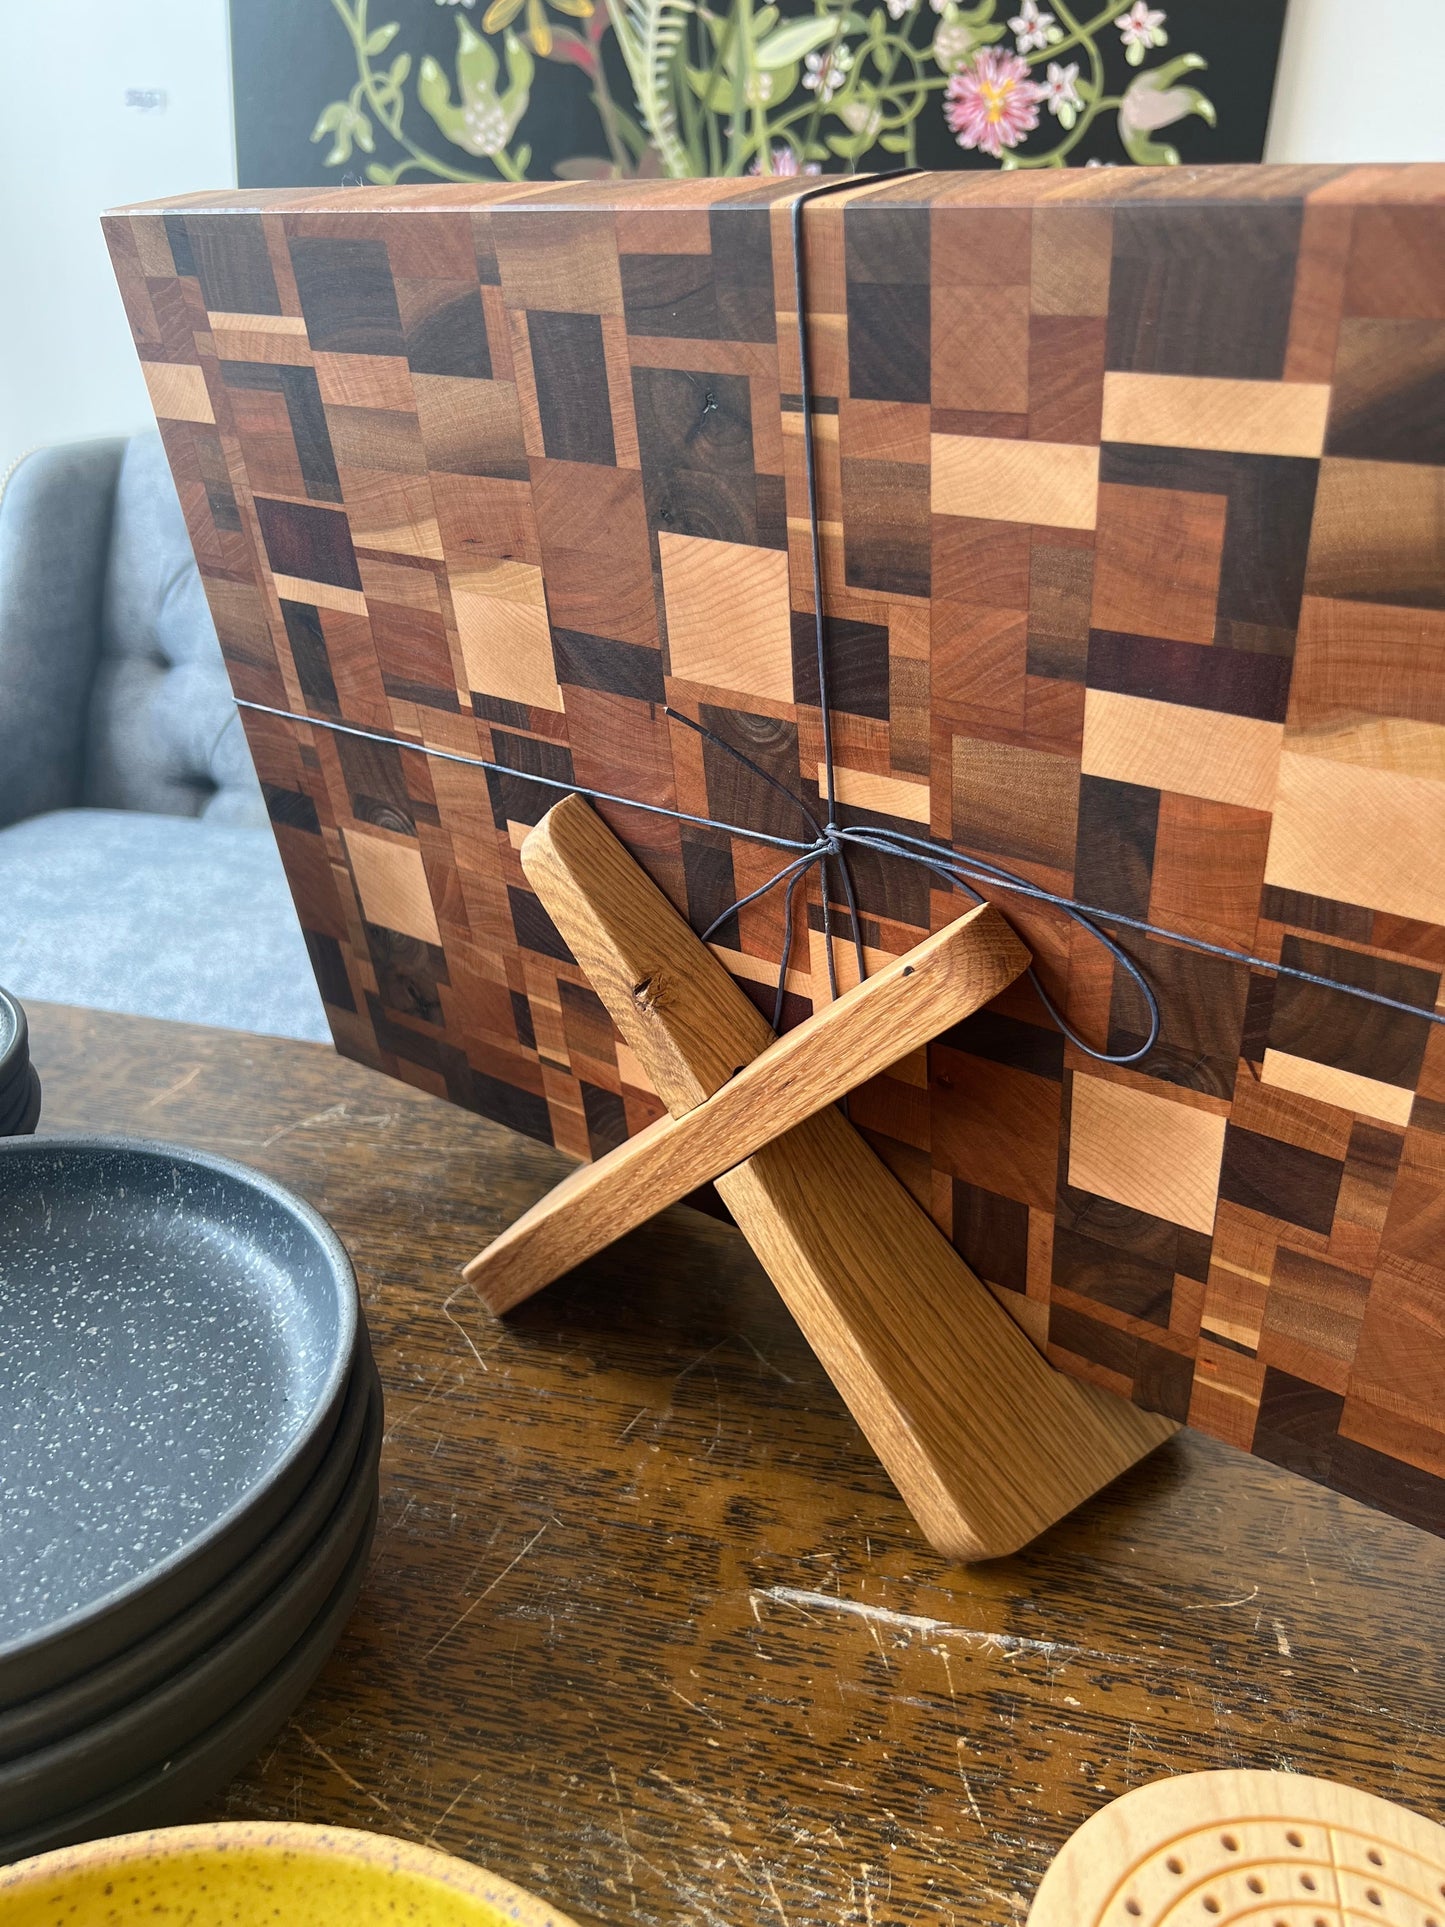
[[190, 1424], [19, 1086]]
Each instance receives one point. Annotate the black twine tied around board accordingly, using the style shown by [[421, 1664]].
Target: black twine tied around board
[[832, 840]]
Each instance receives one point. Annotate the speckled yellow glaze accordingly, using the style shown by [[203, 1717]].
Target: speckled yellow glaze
[[248, 1874]]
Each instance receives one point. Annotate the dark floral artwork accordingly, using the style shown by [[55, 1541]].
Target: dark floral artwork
[[384, 91]]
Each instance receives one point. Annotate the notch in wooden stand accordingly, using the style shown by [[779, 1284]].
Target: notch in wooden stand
[[986, 1442]]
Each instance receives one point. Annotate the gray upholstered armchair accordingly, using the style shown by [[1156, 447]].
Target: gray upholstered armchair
[[137, 867]]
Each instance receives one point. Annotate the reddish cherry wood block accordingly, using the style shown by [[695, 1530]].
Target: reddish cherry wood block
[[1130, 494]]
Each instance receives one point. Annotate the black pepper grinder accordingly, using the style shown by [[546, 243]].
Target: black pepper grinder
[[19, 1085]]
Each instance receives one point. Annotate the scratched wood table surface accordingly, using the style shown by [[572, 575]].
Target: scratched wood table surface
[[646, 1628]]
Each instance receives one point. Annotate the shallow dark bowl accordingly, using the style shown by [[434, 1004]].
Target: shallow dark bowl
[[23, 1115], [106, 1689], [89, 1763], [173, 1790], [14, 1041], [176, 1336]]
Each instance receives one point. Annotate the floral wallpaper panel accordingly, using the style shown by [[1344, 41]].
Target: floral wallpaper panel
[[456, 90]]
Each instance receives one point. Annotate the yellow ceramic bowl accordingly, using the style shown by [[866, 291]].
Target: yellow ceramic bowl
[[248, 1874]]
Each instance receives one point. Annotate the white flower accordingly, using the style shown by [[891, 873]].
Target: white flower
[[952, 44], [1060, 93], [452, 3], [1032, 27], [897, 8], [861, 118], [826, 72], [486, 127], [1142, 27], [760, 88]]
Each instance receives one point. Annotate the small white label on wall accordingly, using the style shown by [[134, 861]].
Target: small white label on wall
[[146, 100]]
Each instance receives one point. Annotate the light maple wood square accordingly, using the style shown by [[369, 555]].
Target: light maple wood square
[[728, 622], [1196, 411], [506, 640], [178, 391], [391, 883], [1359, 835], [1146, 1152], [1051, 484], [1170, 746], [1156, 562]]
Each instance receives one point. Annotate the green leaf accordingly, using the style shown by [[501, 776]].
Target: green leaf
[[400, 68], [632, 135], [520, 69], [381, 176], [378, 42], [329, 119], [716, 89], [434, 91], [794, 39], [893, 143], [477, 65], [764, 20], [361, 129], [1171, 70], [523, 158]]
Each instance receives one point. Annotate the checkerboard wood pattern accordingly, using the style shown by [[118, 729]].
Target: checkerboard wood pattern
[[1132, 489]]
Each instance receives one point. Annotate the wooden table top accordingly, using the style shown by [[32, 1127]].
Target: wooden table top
[[648, 1631]]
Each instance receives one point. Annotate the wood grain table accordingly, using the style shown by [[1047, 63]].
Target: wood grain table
[[646, 1628]]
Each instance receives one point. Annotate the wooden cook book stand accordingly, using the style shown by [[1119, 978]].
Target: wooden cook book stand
[[987, 1443]]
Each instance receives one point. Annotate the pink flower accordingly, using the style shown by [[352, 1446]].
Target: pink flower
[[992, 103], [785, 161]]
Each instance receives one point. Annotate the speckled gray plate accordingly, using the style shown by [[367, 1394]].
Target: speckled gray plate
[[173, 1790], [176, 1336], [104, 1690], [90, 1763]]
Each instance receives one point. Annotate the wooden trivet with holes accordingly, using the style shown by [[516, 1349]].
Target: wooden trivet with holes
[[1240, 1849]]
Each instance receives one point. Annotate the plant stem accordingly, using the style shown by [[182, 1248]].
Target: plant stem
[[1071, 39], [1055, 155], [746, 102], [721, 50], [356, 27], [1096, 64]]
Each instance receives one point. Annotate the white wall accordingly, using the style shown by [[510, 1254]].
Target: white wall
[[1360, 83], [69, 148]]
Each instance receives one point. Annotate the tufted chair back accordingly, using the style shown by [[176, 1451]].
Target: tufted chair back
[[163, 733], [113, 694]]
